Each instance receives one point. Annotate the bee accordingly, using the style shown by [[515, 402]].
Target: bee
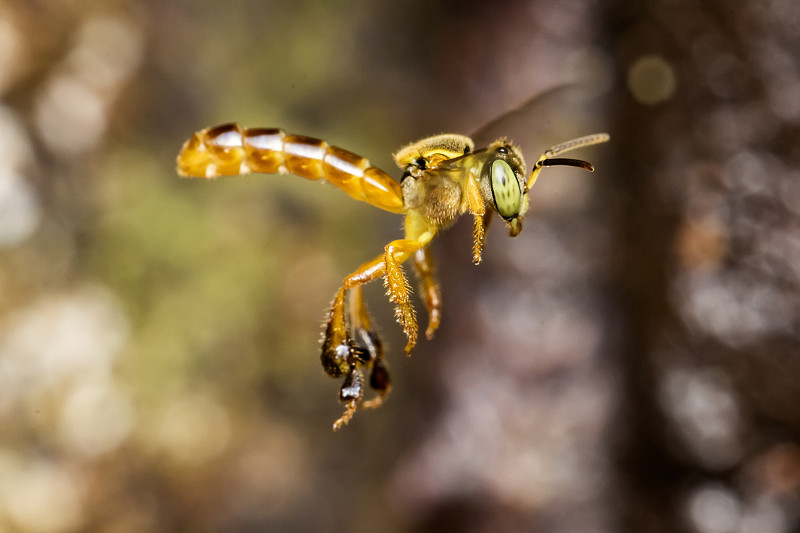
[[443, 177]]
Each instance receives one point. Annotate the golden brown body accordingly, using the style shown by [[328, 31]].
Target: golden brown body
[[230, 150], [443, 178]]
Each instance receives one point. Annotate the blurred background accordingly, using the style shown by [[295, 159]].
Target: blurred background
[[629, 363]]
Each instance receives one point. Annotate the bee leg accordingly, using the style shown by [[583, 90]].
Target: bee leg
[[479, 229], [481, 214], [337, 344], [371, 348], [360, 353], [344, 354], [397, 287], [341, 356], [423, 261], [380, 382], [478, 239], [350, 394]]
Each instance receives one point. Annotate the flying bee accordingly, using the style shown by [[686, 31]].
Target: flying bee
[[443, 177]]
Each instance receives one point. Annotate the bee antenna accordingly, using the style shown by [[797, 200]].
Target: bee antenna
[[549, 159], [567, 162]]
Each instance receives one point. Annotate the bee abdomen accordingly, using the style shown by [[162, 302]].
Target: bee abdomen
[[230, 150]]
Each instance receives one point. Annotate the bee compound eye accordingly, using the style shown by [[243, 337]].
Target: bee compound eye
[[505, 190]]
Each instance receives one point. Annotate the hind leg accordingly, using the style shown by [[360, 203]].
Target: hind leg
[[350, 345], [366, 338]]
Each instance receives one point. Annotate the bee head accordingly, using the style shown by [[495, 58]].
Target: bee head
[[503, 185]]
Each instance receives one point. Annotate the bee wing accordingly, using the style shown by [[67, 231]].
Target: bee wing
[[564, 112]]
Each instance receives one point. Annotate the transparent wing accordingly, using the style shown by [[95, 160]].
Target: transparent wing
[[557, 115]]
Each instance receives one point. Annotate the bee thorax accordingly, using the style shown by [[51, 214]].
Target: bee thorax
[[436, 198]]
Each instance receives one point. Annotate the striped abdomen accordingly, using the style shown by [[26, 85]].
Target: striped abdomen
[[230, 150]]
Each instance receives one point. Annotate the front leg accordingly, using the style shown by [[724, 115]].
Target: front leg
[[482, 217], [479, 228]]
